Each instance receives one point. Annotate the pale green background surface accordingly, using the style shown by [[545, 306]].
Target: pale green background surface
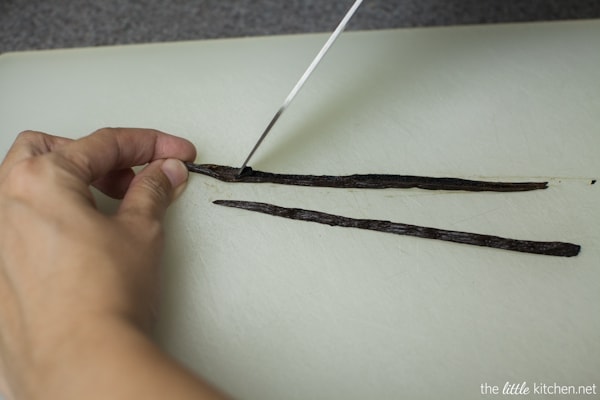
[[269, 308]]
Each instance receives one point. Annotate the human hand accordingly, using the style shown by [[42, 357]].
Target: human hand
[[66, 268]]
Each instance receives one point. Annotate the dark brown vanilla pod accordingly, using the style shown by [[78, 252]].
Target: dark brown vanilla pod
[[364, 181], [525, 246]]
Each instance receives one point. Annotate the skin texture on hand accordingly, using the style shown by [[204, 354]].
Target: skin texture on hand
[[78, 289]]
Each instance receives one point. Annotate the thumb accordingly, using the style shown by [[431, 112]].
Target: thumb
[[154, 189]]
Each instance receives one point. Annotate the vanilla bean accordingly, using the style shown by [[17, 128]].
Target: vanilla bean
[[364, 181], [524, 246]]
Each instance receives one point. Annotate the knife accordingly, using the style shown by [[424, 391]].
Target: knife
[[340, 28]]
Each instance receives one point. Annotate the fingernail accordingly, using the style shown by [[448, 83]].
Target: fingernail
[[176, 171]]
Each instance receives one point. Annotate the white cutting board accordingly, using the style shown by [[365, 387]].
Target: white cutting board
[[268, 308]]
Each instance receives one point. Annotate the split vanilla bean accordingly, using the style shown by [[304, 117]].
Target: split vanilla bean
[[361, 181], [525, 246]]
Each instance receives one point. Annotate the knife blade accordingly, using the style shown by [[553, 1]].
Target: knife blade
[[336, 33]]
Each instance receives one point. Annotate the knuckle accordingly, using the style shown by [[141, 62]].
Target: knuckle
[[29, 135], [24, 176], [30, 140], [33, 176], [103, 131], [107, 131], [37, 142]]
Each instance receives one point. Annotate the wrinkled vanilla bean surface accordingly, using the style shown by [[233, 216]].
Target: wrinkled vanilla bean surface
[[525, 246], [364, 181]]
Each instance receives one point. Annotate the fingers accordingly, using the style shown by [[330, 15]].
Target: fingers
[[153, 189], [104, 159], [112, 149]]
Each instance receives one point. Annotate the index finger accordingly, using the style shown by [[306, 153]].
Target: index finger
[[111, 149]]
